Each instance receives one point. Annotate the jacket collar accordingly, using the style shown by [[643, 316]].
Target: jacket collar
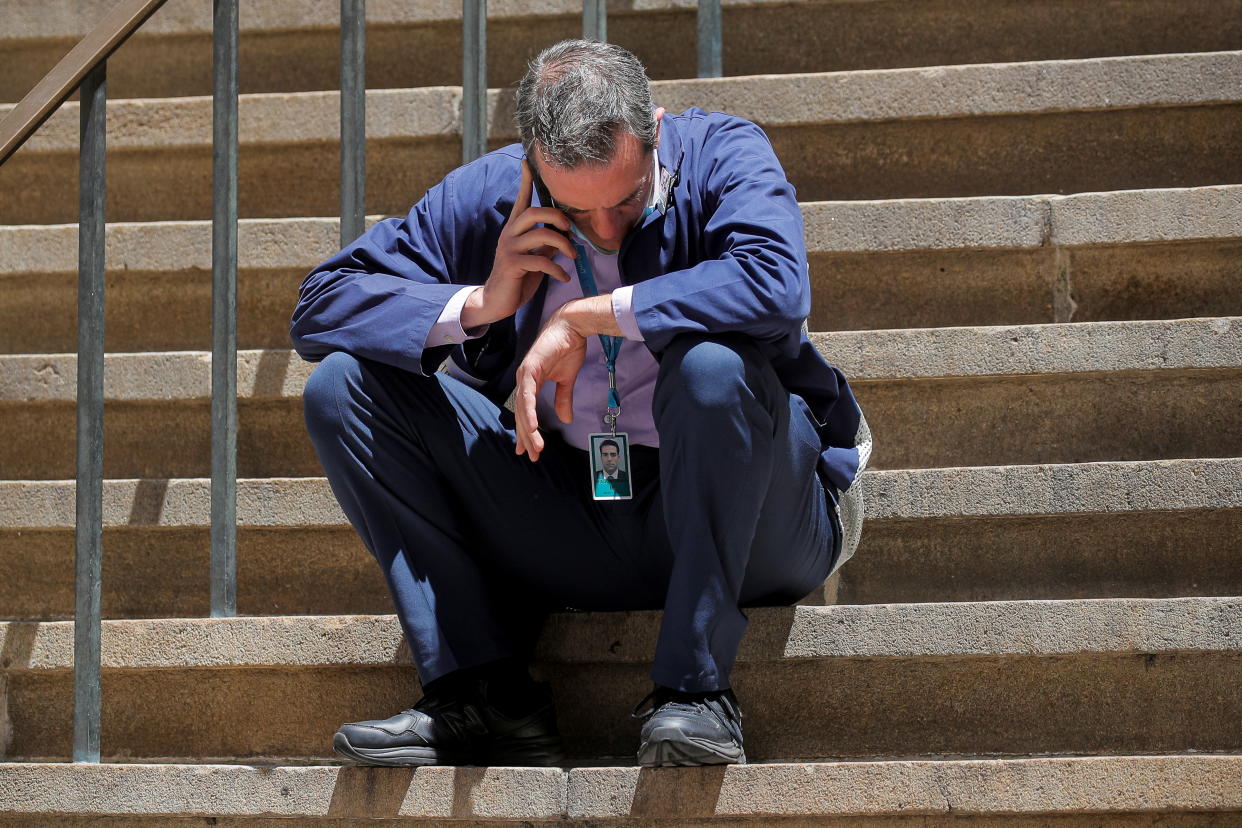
[[670, 150], [670, 155]]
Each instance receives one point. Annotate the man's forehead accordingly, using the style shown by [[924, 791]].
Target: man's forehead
[[594, 186]]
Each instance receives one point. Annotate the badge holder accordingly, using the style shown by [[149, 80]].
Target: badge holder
[[610, 466]]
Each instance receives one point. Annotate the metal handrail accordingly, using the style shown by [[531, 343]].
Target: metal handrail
[[65, 77], [85, 67]]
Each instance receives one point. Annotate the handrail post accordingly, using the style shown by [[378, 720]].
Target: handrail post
[[353, 118], [709, 37], [224, 311], [595, 20], [88, 539], [474, 79]]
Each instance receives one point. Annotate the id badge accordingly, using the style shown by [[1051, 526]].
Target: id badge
[[610, 467]]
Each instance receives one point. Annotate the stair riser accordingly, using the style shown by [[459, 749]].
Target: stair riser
[[831, 36], [154, 440], [1057, 418], [1136, 555], [164, 573], [146, 311], [980, 421], [1013, 154], [997, 155], [948, 288], [845, 707], [171, 310]]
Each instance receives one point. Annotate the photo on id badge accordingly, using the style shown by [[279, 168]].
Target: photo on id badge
[[610, 466]]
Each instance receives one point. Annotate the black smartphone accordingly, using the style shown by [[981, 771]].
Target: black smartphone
[[545, 198]]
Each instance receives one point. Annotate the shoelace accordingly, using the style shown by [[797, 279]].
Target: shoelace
[[461, 717], [719, 702], [722, 705]]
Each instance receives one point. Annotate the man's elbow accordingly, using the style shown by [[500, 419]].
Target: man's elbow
[[305, 345], [788, 303], [305, 325], [304, 334]]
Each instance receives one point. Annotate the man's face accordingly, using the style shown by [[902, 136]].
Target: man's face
[[609, 458], [604, 201]]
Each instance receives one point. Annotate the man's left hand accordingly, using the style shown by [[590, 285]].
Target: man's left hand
[[557, 356]]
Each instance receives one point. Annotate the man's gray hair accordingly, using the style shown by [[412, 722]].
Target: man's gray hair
[[575, 97]]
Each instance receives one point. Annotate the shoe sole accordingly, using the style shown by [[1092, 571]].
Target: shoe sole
[[544, 753], [391, 757], [678, 751]]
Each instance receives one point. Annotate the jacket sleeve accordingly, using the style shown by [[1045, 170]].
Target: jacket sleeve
[[379, 297], [752, 276]]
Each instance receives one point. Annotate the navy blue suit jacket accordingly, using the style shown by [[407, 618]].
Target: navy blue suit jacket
[[727, 256]]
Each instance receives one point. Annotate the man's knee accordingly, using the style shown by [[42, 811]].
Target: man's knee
[[337, 371], [708, 371]]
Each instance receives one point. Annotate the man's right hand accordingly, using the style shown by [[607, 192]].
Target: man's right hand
[[523, 254]]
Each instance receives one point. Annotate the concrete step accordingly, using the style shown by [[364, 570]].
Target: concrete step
[[1112, 790], [934, 397], [1138, 254], [989, 129], [294, 45], [1003, 678], [1144, 530]]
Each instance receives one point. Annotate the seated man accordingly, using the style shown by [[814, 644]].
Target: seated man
[[625, 274]]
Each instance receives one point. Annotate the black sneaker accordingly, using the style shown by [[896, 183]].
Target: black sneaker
[[465, 729], [690, 729]]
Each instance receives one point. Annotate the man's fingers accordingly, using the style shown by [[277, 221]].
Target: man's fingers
[[565, 401], [526, 220], [523, 194], [541, 264], [534, 445], [542, 239], [529, 441]]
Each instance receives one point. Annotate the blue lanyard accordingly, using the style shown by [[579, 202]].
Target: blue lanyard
[[610, 344]]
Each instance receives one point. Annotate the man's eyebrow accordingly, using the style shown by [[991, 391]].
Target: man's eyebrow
[[637, 191]]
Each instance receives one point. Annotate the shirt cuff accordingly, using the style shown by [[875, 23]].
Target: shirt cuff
[[623, 310], [447, 329]]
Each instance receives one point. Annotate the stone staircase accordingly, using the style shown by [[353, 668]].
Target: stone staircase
[[1024, 222]]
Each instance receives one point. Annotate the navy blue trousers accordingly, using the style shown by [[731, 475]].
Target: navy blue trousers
[[475, 541]]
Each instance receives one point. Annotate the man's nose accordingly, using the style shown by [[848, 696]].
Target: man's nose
[[606, 224]]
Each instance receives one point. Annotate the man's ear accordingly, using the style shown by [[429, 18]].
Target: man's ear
[[659, 113]]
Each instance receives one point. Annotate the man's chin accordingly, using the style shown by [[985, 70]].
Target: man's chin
[[611, 245]]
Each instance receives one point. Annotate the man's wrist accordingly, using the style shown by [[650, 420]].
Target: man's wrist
[[474, 313], [590, 315]]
